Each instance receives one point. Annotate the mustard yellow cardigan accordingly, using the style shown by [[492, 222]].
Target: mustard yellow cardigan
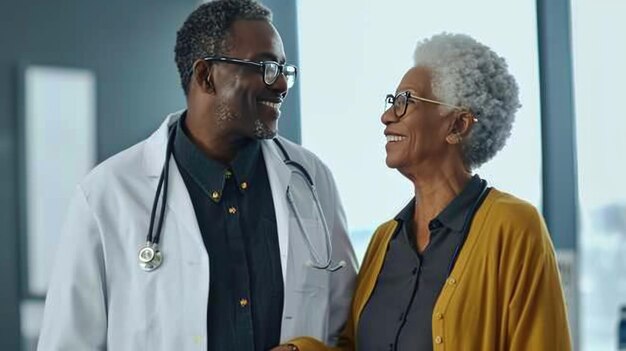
[[503, 293]]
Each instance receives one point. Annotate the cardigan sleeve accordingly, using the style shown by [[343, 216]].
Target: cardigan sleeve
[[537, 313]]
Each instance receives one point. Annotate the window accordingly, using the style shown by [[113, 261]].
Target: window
[[354, 52], [599, 73]]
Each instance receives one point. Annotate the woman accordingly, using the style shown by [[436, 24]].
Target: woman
[[462, 266]]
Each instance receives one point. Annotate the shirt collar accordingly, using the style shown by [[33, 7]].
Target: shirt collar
[[458, 210], [244, 162], [210, 174], [406, 214], [457, 213], [404, 218]]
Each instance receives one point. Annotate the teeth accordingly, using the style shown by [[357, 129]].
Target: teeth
[[394, 138], [274, 105]]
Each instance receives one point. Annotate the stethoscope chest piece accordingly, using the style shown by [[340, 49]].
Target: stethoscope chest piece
[[150, 258]]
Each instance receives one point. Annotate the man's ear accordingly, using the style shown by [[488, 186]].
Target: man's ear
[[203, 77], [460, 127]]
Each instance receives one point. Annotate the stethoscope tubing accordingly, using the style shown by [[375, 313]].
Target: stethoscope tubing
[[163, 184], [150, 257], [318, 262]]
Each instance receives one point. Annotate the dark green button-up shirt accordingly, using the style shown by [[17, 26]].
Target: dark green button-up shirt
[[235, 212]]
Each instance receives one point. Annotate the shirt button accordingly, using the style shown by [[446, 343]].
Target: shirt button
[[215, 195], [414, 271], [451, 281], [243, 302], [438, 340], [439, 315], [243, 186], [232, 210], [434, 224]]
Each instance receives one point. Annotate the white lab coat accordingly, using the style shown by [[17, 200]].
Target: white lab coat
[[99, 298]]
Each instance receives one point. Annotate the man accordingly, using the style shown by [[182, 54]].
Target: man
[[237, 257]]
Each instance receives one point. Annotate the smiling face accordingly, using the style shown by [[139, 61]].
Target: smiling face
[[244, 105], [417, 140]]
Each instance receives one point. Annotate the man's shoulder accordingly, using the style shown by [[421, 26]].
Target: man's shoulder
[[314, 166], [125, 165], [299, 153]]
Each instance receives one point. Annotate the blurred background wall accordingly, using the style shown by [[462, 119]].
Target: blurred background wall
[[129, 46]]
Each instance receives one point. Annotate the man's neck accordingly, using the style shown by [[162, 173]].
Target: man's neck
[[215, 145]]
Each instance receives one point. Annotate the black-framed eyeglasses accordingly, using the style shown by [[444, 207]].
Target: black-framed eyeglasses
[[402, 99], [270, 69]]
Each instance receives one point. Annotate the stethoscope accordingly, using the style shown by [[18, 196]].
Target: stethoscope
[[150, 257], [317, 261]]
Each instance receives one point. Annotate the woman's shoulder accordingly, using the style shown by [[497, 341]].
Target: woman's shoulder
[[507, 207], [511, 218]]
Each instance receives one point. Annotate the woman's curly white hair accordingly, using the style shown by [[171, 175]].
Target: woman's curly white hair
[[467, 73]]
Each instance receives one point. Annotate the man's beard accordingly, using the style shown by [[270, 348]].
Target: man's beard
[[225, 115], [262, 131]]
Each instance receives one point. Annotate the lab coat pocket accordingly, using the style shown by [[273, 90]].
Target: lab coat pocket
[[307, 304], [304, 253], [311, 313]]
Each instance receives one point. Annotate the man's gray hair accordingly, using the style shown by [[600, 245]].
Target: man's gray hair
[[467, 73], [205, 32]]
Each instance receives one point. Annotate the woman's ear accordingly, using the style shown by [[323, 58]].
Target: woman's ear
[[202, 76], [460, 127]]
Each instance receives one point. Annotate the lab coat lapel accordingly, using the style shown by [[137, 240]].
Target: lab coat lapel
[[155, 145], [279, 175], [178, 200], [179, 203], [180, 237]]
